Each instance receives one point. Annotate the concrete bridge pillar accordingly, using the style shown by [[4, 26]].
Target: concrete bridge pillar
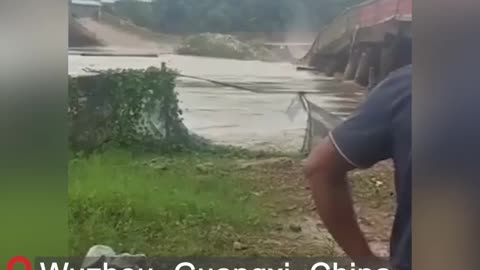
[[387, 56], [330, 67], [361, 75], [372, 80], [386, 61], [396, 52], [352, 65]]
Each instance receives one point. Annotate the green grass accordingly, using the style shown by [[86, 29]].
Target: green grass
[[178, 205]]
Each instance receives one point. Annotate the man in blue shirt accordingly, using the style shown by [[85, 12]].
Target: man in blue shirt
[[380, 129]]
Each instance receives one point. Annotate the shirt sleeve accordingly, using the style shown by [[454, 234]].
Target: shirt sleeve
[[365, 138]]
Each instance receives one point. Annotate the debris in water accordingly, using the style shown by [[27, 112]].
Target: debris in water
[[272, 242], [291, 208], [278, 227], [295, 228], [239, 246], [204, 168]]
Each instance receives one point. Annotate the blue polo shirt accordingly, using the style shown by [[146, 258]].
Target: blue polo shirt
[[381, 129]]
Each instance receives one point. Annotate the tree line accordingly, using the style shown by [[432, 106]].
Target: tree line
[[224, 16]]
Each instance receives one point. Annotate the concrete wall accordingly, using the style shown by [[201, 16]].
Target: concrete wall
[[81, 11]]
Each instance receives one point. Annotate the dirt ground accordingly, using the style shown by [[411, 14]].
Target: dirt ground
[[298, 230]]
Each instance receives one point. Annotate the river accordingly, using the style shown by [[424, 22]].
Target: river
[[235, 117]]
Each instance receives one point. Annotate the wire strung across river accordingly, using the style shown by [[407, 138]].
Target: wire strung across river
[[319, 122], [258, 91]]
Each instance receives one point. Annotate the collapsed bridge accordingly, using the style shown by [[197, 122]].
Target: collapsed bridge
[[365, 42]]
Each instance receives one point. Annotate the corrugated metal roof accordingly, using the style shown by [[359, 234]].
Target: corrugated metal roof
[[87, 2]]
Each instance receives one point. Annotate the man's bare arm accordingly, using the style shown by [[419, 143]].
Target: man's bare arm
[[326, 171]]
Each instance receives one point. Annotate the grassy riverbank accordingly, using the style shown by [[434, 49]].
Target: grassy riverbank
[[226, 204], [182, 204]]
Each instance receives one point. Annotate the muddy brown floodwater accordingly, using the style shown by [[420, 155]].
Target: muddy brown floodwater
[[235, 117]]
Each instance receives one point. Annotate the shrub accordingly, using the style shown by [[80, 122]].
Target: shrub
[[127, 108]]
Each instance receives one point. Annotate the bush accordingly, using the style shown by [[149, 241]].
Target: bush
[[127, 108]]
